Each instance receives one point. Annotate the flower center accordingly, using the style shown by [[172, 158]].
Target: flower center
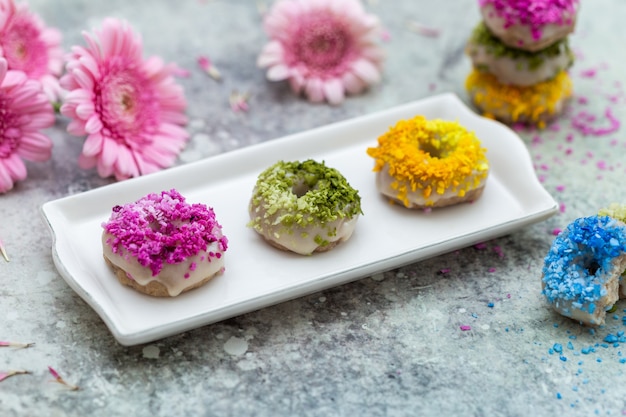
[[23, 48], [127, 104], [9, 134], [321, 43]]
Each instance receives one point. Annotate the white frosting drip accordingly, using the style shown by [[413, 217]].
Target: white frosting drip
[[515, 71], [416, 198], [520, 36], [303, 240], [172, 276]]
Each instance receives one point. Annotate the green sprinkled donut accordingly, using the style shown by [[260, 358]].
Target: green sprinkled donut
[[303, 207], [516, 66]]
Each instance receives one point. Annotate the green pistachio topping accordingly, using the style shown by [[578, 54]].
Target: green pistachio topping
[[483, 36], [302, 193]]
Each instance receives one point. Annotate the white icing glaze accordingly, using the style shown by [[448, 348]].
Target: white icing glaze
[[416, 198], [516, 71], [520, 36], [172, 276], [303, 240]]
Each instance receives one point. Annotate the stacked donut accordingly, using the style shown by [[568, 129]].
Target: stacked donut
[[520, 57]]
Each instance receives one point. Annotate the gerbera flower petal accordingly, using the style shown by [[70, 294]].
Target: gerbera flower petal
[[35, 147], [84, 110], [272, 54], [93, 145], [315, 44], [352, 83], [366, 71], [6, 182], [334, 91], [314, 90], [15, 167], [94, 124], [278, 73], [125, 165], [127, 105], [297, 83], [109, 153]]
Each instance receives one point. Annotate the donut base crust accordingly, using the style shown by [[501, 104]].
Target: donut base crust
[[324, 248], [153, 288], [469, 197], [543, 119]]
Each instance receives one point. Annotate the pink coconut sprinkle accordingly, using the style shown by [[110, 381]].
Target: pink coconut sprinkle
[[556, 231], [590, 73], [465, 327], [583, 122], [534, 13]]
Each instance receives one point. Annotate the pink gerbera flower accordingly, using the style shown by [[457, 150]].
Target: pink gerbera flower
[[29, 46], [325, 48], [24, 110], [131, 109]]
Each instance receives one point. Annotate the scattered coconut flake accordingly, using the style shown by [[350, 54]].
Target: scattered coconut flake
[[151, 352], [236, 346]]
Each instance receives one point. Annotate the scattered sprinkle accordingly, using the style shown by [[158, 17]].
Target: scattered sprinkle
[[465, 327], [584, 123]]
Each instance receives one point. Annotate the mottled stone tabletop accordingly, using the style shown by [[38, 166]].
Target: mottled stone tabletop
[[386, 345]]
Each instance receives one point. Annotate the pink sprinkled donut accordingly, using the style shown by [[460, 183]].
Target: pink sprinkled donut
[[162, 246], [529, 24]]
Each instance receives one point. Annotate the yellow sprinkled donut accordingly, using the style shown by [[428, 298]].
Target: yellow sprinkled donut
[[535, 105], [429, 163]]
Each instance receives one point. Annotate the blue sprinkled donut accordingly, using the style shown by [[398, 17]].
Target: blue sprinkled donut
[[582, 270]]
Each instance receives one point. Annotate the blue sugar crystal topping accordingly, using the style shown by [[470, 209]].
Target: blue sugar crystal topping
[[580, 261]]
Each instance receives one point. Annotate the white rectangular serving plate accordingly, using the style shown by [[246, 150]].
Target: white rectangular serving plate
[[257, 275]]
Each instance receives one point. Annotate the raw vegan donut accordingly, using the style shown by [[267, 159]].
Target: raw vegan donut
[[581, 272], [516, 66], [162, 246], [429, 163], [535, 105], [532, 27], [303, 207], [618, 212]]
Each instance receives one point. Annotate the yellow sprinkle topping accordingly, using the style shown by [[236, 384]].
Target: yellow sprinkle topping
[[433, 156], [533, 104], [614, 210]]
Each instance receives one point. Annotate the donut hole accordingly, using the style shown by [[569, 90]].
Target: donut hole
[[436, 148], [592, 267], [300, 189]]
